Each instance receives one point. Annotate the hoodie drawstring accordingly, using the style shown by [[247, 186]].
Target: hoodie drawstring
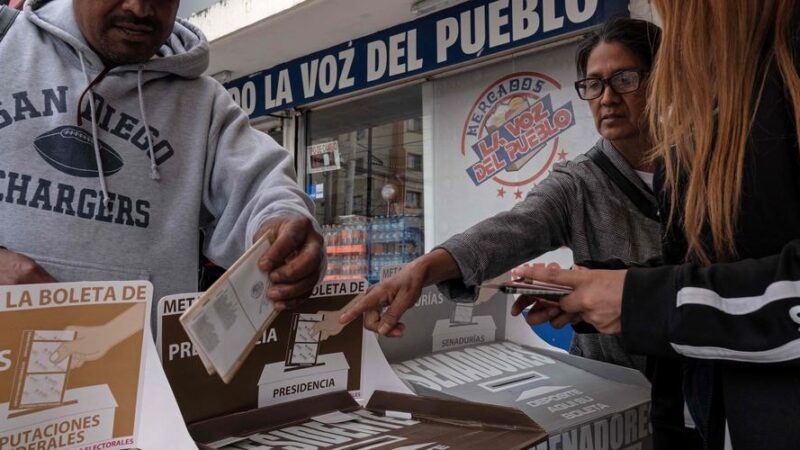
[[95, 140], [153, 166], [90, 85]]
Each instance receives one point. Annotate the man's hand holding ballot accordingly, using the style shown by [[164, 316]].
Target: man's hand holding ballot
[[280, 269], [293, 262]]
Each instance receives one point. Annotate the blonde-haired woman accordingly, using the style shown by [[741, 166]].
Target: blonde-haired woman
[[725, 113]]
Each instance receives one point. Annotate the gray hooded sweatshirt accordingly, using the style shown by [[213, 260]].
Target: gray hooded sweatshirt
[[120, 189]]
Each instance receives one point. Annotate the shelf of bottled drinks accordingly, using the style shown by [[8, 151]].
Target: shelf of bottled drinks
[[360, 247]]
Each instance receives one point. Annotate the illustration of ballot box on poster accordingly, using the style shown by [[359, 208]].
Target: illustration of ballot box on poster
[[305, 372], [94, 406], [463, 328], [303, 349], [39, 394]]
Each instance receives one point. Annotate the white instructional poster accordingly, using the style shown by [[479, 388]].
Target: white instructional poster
[[72, 360]]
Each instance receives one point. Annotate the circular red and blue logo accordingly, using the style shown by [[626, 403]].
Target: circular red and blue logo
[[514, 127]]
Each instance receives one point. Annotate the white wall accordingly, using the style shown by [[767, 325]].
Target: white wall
[[642, 9], [189, 7], [227, 17]]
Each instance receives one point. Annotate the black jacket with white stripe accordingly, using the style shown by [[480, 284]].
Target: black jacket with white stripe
[[732, 329]]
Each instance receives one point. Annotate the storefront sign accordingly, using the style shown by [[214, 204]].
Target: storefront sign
[[465, 32]]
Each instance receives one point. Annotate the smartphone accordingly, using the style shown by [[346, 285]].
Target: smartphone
[[536, 289], [540, 293]]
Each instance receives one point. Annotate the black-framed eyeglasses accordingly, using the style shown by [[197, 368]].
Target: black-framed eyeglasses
[[622, 82]]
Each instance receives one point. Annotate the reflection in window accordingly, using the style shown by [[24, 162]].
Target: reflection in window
[[369, 193]]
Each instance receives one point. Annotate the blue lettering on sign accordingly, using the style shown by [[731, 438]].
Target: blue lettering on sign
[[464, 32]]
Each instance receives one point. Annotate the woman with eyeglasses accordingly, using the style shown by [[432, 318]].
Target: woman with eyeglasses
[[578, 205]]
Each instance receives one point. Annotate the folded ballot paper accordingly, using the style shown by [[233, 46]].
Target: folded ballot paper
[[227, 320]]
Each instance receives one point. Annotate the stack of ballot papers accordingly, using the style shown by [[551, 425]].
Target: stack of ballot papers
[[227, 320]]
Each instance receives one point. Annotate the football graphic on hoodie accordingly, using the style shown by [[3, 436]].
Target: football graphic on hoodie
[[70, 150]]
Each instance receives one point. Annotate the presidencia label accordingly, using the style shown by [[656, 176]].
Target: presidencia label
[[278, 385], [465, 32]]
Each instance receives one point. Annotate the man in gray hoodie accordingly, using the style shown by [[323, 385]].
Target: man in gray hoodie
[[115, 153]]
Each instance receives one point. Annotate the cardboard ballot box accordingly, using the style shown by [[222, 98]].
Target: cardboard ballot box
[[389, 421], [579, 402], [486, 355], [304, 352]]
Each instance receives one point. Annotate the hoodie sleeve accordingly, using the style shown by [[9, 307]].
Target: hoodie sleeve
[[249, 179], [534, 226], [747, 311]]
